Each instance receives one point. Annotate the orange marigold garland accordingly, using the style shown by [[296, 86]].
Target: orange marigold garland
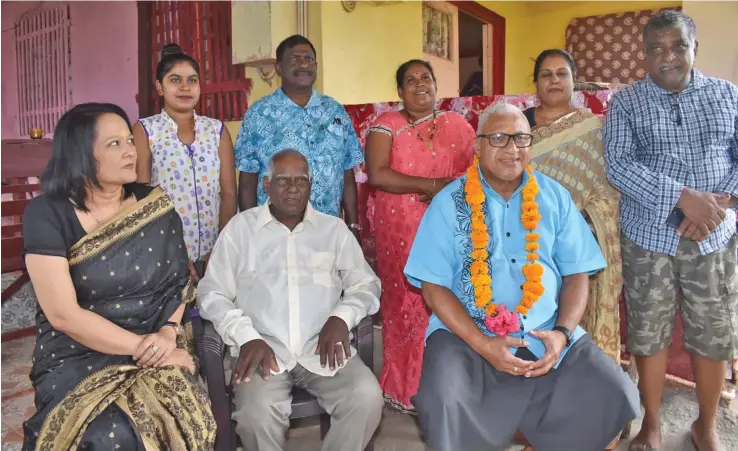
[[498, 319]]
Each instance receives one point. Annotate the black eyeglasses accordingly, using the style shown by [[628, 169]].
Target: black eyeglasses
[[675, 114], [521, 140]]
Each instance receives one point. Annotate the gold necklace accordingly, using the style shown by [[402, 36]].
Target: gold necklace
[[120, 203], [428, 144]]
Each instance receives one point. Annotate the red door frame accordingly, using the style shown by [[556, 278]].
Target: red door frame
[[498, 40]]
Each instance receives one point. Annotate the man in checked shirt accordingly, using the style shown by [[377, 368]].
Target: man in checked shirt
[[672, 151]]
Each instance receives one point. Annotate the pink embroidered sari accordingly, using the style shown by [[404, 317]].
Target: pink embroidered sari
[[396, 219]]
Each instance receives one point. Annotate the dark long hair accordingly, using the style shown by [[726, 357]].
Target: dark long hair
[[400, 74], [171, 55], [550, 52], [73, 167]]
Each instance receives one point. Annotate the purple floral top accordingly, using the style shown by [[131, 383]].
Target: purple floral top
[[190, 175]]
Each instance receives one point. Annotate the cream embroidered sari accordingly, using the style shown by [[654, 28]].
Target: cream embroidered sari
[[570, 150]]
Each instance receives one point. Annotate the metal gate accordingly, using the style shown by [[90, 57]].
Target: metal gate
[[43, 68]]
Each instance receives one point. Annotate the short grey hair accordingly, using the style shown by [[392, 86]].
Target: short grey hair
[[671, 18], [497, 108], [286, 153]]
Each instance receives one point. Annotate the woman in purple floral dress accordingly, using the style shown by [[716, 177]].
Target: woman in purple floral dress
[[189, 156]]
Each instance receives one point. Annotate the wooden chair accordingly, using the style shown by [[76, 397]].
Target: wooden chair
[[22, 158], [12, 235], [211, 348]]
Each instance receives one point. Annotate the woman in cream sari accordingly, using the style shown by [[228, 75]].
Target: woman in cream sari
[[569, 150], [113, 366], [568, 147]]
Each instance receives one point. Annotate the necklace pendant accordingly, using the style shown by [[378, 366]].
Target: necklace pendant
[[428, 145]]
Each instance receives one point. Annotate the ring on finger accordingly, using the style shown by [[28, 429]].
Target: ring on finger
[[515, 369], [338, 343], [155, 348]]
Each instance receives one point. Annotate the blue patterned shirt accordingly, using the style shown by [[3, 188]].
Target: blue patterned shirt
[[651, 157], [441, 253], [322, 131]]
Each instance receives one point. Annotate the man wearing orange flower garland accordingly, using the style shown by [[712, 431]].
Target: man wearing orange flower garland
[[503, 258]]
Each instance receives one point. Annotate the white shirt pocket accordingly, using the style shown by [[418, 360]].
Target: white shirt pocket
[[322, 268]]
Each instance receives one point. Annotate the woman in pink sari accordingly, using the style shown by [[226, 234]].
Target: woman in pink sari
[[411, 155]]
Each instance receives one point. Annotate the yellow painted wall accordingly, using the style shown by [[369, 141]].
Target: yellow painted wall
[[279, 23], [717, 34], [534, 26], [362, 49], [447, 70], [358, 52], [257, 28], [517, 34], [315, 34]]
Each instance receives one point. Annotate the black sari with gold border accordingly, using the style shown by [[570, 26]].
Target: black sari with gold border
[[133, 272]]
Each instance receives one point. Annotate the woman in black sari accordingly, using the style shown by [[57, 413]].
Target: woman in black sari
[[114, 364]]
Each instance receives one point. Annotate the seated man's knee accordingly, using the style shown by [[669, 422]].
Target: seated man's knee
[[256, 411], [444, 374], [372, 394], [611, 378], [367, 396]]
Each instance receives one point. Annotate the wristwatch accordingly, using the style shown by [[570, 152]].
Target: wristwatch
[[567, 333], [356, 227]]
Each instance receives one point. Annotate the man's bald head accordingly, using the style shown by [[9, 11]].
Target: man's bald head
[[286, 155], [288, 184], [501, 128], [499, 110]]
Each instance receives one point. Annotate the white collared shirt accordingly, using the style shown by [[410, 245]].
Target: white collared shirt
[[266, 282]]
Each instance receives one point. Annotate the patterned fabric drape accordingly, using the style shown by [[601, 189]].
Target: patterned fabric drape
[[609, 48]]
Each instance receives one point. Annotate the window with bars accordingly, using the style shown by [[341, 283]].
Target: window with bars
[[43, 68], [203, 30]]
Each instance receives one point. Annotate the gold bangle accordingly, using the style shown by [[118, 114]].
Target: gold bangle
[[175, 326]]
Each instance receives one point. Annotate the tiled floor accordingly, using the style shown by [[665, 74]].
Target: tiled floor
[[17, 393], [397, 432]]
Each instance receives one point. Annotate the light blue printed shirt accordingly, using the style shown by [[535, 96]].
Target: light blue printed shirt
[[322, 131], [441, 253]]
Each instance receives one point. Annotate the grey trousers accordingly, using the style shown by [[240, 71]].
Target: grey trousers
[[464, 403], [351, 397]]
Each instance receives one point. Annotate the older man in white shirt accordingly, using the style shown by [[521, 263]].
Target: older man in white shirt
[[284, 286]]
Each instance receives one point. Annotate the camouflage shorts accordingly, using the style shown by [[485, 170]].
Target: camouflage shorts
[[707, 286]]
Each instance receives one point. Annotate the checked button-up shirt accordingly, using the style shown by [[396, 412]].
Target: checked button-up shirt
[[657, 143]]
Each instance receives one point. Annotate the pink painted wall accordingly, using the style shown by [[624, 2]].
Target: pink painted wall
[[104, 55]]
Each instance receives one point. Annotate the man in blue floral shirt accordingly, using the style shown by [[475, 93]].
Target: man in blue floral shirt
[[298, 117]]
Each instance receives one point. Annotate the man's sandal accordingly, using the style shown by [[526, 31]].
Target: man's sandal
[[694, 442]]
